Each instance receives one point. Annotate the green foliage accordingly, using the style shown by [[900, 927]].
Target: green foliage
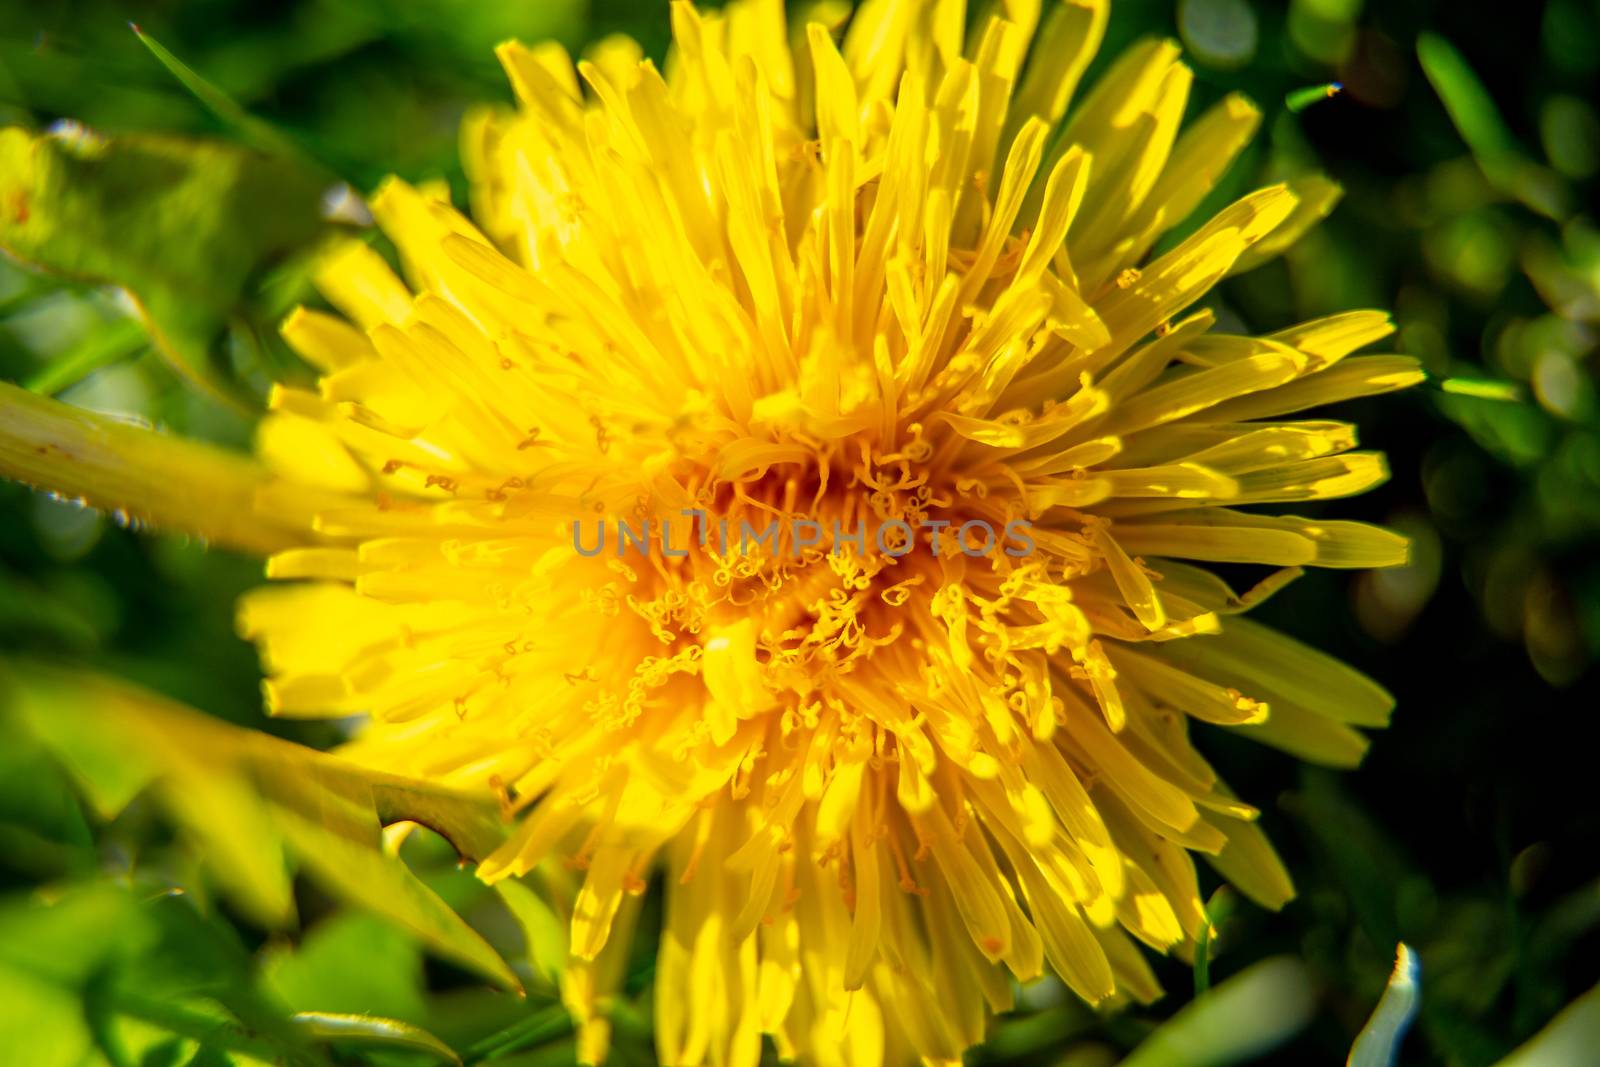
[[152, 970], [183, 226], [253, 803], [351, 963], [105, 975]]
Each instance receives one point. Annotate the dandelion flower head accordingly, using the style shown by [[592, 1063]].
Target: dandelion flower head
[[886, 271]]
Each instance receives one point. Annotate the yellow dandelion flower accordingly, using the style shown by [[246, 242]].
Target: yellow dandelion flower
[[815, 292]]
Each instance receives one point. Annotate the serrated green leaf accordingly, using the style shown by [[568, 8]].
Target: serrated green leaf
[[474, 829], [182, 225], [359, 873], [253, 802]]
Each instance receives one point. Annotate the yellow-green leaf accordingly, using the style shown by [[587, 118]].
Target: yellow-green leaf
[[152, 477], [1571, 1037]]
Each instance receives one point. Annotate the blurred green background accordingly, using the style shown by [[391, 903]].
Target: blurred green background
[[1467, 142]]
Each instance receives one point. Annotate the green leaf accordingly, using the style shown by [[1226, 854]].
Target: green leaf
[[182, 225], [1483, 389], [1520, 435], [36, 796], [168, 1053], [111, 343], [543, 932], [372, 1031], [1571, 1037], [1470, 105], [43, 1023], [1478, 120], [1250, 1013], [543, 1025], [252, 802], [474, 828], [134, 973], [351, 963], [1379, 1041], [1217, 911]]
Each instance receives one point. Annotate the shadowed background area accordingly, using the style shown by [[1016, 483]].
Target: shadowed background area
[[1467, 144]]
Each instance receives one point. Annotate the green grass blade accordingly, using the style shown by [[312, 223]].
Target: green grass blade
[[1217, 910], [256, 132], [111, 344], [543, 1025], [1472, 110], [1483, 388], [1470, 106]]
